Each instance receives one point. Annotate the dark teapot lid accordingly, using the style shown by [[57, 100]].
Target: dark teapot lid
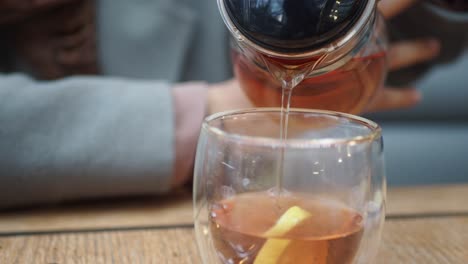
[[294, 25]]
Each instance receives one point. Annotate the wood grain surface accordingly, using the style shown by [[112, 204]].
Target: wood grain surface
[[429, 240], [177, 210], [427, 200], [139, 212]]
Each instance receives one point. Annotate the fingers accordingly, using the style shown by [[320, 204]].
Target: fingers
[[13, 11], [400, 55], [391, 8], [17, 5], [60, 41], [74, 16], [395, 98], [407, 53], [227, 96]]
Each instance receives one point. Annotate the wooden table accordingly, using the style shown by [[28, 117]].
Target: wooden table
[[424, 225]]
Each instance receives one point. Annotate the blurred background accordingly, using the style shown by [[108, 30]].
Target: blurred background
[[429, 143]]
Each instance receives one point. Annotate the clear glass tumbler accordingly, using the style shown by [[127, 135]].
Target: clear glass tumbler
[[316, 197]]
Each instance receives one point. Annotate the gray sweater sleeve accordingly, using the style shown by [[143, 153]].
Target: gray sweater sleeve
[[83, 137]]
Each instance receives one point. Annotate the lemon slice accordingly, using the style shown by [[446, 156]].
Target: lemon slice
[[273, 248]]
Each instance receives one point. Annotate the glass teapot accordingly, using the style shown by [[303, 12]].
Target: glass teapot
[[332, 54]]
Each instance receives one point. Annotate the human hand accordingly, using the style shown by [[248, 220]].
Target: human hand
[[227, 96], [60, 41], [12, 11], [401, 55]]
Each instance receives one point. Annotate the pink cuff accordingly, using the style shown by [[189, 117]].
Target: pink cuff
[[190, 100]]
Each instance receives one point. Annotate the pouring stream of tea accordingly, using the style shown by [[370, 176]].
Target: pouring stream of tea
[[289, 76]]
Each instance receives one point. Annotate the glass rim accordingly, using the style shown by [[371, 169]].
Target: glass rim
[[375, 131]]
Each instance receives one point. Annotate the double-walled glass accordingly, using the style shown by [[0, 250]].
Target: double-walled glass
[[328, 207]]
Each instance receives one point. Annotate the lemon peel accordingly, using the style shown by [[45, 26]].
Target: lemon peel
[[273, 248]]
